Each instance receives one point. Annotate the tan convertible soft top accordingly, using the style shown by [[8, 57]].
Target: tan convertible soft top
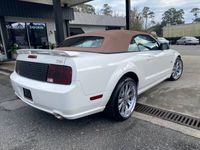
[[114, 41]]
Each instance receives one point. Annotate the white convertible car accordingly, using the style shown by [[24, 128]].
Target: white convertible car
[[94, 72]]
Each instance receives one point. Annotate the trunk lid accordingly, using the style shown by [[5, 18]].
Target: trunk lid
[[34, 64], [45, 56]]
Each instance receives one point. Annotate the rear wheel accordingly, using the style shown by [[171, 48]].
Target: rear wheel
[[123, 100], [177, 69]]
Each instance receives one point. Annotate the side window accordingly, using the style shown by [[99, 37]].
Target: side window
[[133, 47], [146, 42]]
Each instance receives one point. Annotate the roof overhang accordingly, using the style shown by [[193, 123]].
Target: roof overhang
[[70, 3]]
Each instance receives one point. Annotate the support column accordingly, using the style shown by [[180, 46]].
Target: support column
[[4, 36], [67, 28], [128, 9], [67, 33], [58, 17]]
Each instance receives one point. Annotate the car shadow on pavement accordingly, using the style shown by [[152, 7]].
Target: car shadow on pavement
[[37, 115]]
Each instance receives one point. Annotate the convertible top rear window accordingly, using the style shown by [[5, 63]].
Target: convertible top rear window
[[83, 42], [112, 41]]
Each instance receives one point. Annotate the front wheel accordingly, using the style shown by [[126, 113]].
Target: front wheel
[[123, 100], [177, 69]]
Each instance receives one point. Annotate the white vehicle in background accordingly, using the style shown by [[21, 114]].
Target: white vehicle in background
[[163, 40], [93, 72], [187, 41]]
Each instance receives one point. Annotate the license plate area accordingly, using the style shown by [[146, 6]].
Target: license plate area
[[27, 94]]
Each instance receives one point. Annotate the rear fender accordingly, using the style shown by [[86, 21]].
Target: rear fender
[[118, 74], [176, 55]]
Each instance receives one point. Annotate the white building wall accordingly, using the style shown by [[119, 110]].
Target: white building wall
[[2, 57], [51, 32], [87, 29]]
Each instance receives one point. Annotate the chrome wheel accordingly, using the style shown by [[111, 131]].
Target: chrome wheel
[[127, 99], [177, 69]]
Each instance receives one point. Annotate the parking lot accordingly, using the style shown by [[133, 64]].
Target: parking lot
[[191, 50], [183, 95], [23, 127]]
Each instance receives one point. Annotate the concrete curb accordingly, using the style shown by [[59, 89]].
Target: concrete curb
[[167, 124], [6, 72]]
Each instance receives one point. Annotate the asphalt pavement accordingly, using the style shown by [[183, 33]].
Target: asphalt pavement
[[23, 127], [189, 50]]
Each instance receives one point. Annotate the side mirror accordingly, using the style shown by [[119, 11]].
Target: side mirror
[[164, 46]]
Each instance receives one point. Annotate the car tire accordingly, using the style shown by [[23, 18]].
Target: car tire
[[123, 100], [177, 70]]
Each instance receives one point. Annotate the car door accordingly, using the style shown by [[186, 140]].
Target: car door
[[157, 62], [182, 40]]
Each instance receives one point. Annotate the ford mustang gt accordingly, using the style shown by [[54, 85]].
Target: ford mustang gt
[[94, 72]]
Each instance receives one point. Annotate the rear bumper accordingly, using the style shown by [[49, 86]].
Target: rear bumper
[[69, 102]]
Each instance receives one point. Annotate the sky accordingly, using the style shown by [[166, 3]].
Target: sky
[[158, 6]]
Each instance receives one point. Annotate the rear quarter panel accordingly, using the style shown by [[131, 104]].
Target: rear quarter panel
[[100, 73]]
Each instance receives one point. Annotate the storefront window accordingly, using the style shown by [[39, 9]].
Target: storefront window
[[76, 31], [17, 34], [38, 35], [27, 35]]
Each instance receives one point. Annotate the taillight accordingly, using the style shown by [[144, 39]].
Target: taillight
[[59, 74], [32, 56]]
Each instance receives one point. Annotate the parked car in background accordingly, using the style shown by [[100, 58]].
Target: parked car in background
[[172, 42], [94, 72], [187, 41], [162, 40]]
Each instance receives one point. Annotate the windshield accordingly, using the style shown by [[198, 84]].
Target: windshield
[[191, 38], [146, 42], [83, 42]]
